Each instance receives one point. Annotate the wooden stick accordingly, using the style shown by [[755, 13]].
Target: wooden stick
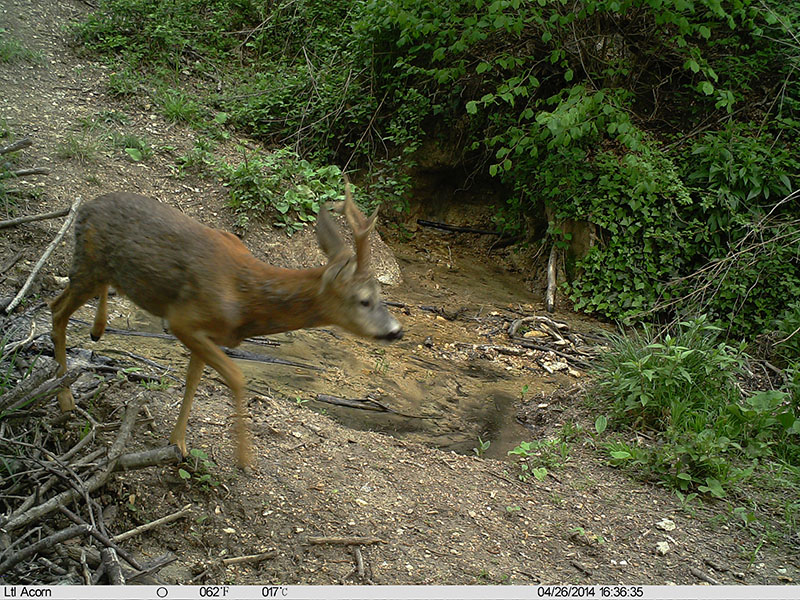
[[11, 348], [18, 145], [456, 228], [98, 480], [344, 541], [48, 251], [153, 524], [250, 558], [48, 542], [35, 379], [94, 559], [10, 262], [550, 295], [103, 539], [25, 172], [245, 355], [166, 455], [30, 218], [14, 400]]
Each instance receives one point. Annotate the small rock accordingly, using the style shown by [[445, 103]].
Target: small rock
[[662, 548], [666, 525]]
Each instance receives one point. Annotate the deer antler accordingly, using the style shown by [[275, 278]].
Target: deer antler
[[361, 227]]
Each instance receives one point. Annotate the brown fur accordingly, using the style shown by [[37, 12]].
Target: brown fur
[[211, 290]]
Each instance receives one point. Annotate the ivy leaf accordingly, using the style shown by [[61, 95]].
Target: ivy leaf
[[472, 107], [707, 88]]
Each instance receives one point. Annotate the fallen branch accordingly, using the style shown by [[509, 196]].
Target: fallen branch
[[113, 331], [30, 218], [550, 295], [98, 480], [703, 576], [10, 262], [9, 349], [100, 537], [527, 344], [456, 228], [250, 558], [18, 145], [48, 251], [25, 172], [16, 399], [167, 336], [166, 455], [245, 355], [113, 569], [153, 524], [43, 544], [364, 404], [94, 559]]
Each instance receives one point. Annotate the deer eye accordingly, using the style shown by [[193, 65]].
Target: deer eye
[[366, 302]]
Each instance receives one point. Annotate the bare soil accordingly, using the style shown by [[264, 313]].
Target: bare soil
[[440, 515]]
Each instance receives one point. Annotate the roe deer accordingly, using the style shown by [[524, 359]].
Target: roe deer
[[212, 291]]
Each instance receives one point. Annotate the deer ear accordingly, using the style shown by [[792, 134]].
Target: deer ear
[[338, 271], [328, 235]]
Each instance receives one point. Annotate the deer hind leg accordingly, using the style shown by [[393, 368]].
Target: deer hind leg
[[101, 316], [70, 300], [209, 353], [193, 375]]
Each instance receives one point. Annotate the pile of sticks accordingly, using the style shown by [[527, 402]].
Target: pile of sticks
[[52, 527]]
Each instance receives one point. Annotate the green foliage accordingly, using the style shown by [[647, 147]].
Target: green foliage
[[659, 383], [12, 50], [670, 126], [137, 148], [482, 447], [83, 149], [682, 385], [178, 106], [200, 470], [282, 186]]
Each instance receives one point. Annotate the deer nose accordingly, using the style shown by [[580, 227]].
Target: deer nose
[[395, 334]]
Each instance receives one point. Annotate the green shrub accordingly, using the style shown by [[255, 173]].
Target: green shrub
[[281, 186], [670, 126], [682, 386]]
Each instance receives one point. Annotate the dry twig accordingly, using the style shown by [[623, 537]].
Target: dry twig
[[48, 251]]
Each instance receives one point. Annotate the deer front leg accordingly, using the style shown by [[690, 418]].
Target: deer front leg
[[209, 353]]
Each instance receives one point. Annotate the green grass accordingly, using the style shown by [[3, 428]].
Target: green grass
[[83, 149], [12, 50], [136, 148], [176, 105]]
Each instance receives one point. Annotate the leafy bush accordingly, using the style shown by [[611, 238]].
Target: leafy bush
[[683, 387], [668, 125], [281, 185]]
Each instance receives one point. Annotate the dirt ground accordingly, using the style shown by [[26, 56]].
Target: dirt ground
[[440, 516]]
